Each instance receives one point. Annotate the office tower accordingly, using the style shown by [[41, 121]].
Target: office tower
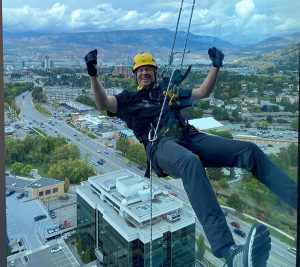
[[113, 218]]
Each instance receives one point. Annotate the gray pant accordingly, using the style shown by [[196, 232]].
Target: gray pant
[[187, 157]]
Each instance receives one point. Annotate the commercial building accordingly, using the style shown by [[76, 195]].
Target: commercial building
[[113, 223], [42, 188]]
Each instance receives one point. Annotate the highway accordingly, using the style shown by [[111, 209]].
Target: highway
[[280, 255]]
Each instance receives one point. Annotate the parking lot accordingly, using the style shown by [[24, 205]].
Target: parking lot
[[47, 257], [21, 224]]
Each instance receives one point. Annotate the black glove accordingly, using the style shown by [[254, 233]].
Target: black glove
[[216, 57], [91, 62]]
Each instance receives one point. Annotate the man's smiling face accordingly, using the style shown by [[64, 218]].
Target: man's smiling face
[[145, 75]]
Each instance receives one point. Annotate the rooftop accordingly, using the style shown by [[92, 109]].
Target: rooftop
[[17, 181], [129, 214], [205, 123]]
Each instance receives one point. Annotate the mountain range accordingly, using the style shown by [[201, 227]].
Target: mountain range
[[123, 44]]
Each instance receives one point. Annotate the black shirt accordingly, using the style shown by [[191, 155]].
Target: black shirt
[[140, 110]]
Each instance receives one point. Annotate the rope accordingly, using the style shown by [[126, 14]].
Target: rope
[[175, 36], [187, 34], [152, 135]]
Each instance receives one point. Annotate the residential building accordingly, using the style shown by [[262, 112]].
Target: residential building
[[113, 222], [125, 71]]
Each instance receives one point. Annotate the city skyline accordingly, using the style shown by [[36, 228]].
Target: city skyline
[[240, 22]]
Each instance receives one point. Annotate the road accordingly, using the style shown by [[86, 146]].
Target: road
[[280, 256]]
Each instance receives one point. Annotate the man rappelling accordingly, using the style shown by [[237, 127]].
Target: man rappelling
[[178, 149]]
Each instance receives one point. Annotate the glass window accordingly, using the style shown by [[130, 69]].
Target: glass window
[[55, 190]]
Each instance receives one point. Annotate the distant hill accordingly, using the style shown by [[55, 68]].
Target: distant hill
[[273, 43], [284, 59], [112, 44], [122, 45]]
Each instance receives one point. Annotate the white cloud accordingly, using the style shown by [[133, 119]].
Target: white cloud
[[130, 16], [57, 10], [244, 8], [27, 18], [258, 18], [221, 18], [288, 24]]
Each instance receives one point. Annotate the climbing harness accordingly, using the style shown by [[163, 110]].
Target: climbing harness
[[176, 78]]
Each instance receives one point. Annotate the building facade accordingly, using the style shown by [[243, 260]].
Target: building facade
[[113, 219]]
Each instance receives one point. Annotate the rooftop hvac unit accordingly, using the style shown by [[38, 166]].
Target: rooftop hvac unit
[[173, 217]]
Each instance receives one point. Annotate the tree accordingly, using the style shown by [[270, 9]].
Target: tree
[[234, 201], [122, 144], [235, 114], [87, 256], [141, 156], [220, 114], [223, 183], [86, 100], [293, 154], [79, 246], [255, 189], [193, 112], [214, 173], [14, 150], [294, 124], [269, 119], [75, 170], [65, 151], [133, 152], [200, 247], [66, 185], [283, 159], [225, 134], [248, 124], [27, 169], [17, 168]]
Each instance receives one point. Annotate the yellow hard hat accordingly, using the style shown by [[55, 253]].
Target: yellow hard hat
[[143, 59]]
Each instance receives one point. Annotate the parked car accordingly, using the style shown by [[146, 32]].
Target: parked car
[[292, 250], [9, 193], [55, 249], [50, 230], [239, 232], [235, 224], [174, 194], [67, 224], [101, 161], [40, 217], [61, 227], [167, 186], [52, 214], [21, 195]]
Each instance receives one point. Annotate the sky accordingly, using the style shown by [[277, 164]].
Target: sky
[[240, 21]]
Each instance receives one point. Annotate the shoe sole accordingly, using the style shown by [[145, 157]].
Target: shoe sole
[[259, 246]]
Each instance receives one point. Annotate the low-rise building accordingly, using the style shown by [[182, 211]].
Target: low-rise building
[[42, 188]]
